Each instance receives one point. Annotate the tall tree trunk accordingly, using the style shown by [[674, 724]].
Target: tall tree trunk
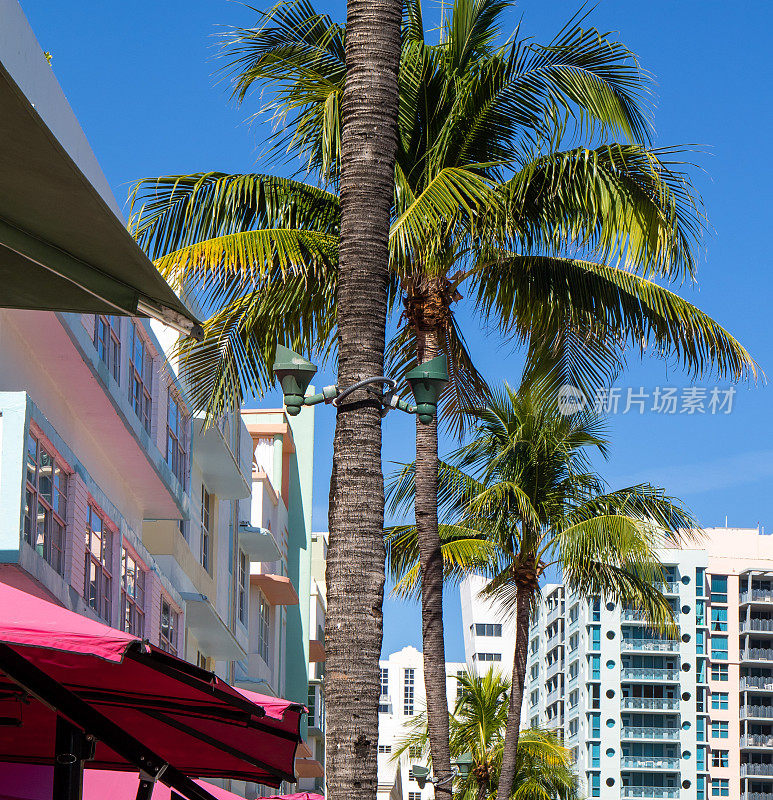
[[513, 729], [355, 566], [432, 586]]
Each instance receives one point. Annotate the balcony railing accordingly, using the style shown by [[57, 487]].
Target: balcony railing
[[759, 682], [761, 625], [765, 712], [649, 674], [650, 645], [757, 654], [650, 703], [556, 666], [757, 796], [649, 762], [648, 791], [555, 613], [757, 740], [634, 615], [650, 733], [765, 770], [757, 595]]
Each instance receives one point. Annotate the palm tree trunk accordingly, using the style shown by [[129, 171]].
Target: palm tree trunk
[[432, 585], [355, 562], [513, 729]]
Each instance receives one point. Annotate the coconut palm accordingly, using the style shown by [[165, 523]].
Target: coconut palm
[[522, 498], [559, 248], [477, 724]]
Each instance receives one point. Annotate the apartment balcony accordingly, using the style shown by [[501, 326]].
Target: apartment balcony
[[757, 770], [753, 741], [757, 796], [650, 703], [757, 626], [213, 635], [554, 696], [649, 674], [219, 466], [649, 762], [669, 587], [650, 645], [650, 733], [756, 596], [757, 683], [555, 613], [258, 543], [554, 668], [757, 654], [757, 712], [633, 615], [649, 791]]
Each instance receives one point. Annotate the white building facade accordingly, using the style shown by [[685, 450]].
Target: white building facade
[[646, 716]]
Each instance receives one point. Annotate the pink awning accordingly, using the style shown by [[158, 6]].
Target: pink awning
[[118, 689]]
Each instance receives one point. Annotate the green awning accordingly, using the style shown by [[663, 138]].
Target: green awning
[[62, 248]]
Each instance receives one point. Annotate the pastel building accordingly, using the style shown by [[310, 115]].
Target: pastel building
[[119, 503], [402, 699], [646, 716]]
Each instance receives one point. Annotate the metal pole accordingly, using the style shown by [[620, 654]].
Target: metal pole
[[68, 761]]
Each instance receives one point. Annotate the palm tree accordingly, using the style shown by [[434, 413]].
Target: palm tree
[[477, 725], [521, 498], [558, 249], [355, 556]]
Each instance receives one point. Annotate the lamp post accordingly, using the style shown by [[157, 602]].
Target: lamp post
[[426, 381], [461, 768]]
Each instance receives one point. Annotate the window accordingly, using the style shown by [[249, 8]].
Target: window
[[574, 613], [414, 751], [107, 340], [700, 612], [385, 748], [487, 656], [99, 557], [595, 606], [264, 628], [719, 648], [132, 594], [244, 571], [414, 795], [719, 729], [719, 588], [719, 700], [595, 667], [574, 725], [408, 688], [700, 577], [595, 725], [45, 505], [534, 697], [595, 754], [534, 646], [384, 682], [459, 684], [168, 634], [719, 758], [719, 672], [206, 518], [312, 705], [140, 377], [487, 629], [595, 638], [595, 785], [718, 619], [534, 671], [720, 787], [177, 439]]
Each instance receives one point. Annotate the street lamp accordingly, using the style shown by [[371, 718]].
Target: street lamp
[[461, 767], [426, 381]]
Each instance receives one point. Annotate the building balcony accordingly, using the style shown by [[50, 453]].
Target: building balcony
[[649, 791], [757, 626], [757, 770], [757, 654], [754, 741], [634, 615], [649, 674], [555, 667], [214, 637], [756, 596], [650, 703], [650, 645], [757, 796], [649, 762], [757, 712], [650, 733], [757, 683], [219, 467], [668, 587], [278, 589], [555, 613], [258, 543]]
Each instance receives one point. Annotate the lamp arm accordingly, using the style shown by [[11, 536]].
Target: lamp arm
[[375, 379]]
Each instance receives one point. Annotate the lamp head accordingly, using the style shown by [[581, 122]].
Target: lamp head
[[420, 775], [464, 764], [294, 373], [427, 382]]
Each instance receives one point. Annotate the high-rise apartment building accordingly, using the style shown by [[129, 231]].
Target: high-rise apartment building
[[643, 715]]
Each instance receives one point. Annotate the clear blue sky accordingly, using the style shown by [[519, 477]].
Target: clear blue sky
[[140, 78]]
